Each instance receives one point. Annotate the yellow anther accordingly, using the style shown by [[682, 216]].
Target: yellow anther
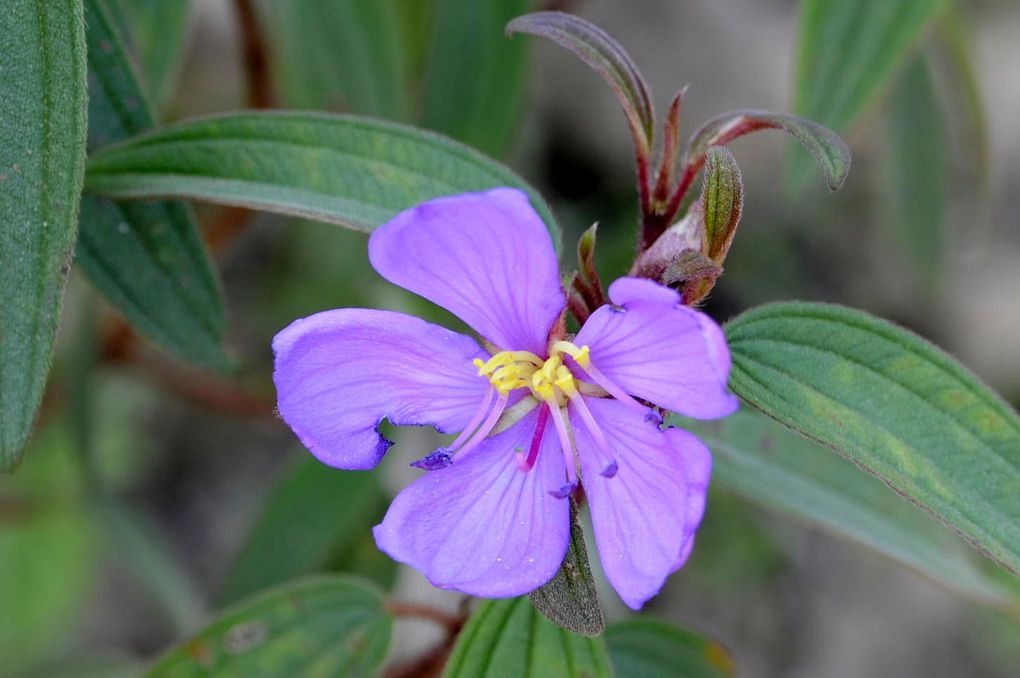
[[580, 355], [549, 380]]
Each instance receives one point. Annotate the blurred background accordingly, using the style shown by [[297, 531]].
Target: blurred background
[[924, 233]]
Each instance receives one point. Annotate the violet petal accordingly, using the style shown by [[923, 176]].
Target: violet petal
[[339, 373], [482, 526], [486, 257], [660, 350], [645, 516]]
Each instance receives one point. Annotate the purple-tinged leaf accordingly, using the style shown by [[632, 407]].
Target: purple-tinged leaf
[[670, 149], [593, 46], [823, 144], [695, 273]]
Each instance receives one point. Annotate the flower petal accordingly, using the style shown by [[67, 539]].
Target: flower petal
[[338, 374], [486, 257], [644, 516], [655, 348], [482, 526]]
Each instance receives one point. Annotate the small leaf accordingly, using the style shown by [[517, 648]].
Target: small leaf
[[156, 33], [346, 170], [339, 55], [919, 170], [297, 531], [640, 648], [570, 599], [475, 75], [42, 157], [895, 405], [588, 269], [147, 258], [594, 46], [847, 51], [824, 145], [722, 201], [335, 624], [772, 466], [509, 638]]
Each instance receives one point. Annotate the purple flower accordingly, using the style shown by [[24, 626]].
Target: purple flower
[[491, 517]]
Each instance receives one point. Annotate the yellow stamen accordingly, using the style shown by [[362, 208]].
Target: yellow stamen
[[549, 380]]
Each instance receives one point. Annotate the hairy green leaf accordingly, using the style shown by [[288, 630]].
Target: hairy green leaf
[[475, 75], [508, 637], [339, 54], [346, 170], [570, 599], [147, 258], [42, 156], [771, 465], [895, 405], [298, 530], [603, 54], [722, 201], [824, 145], [640, 648], [327, 626]]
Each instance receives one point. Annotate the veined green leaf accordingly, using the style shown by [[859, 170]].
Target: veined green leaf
[[895, 405], [777, 468], [919, 170], [508, 638], [156, 31], [346, 170], [641, 648], [146, 258], [42, 156], [339, 54], [848, 50], [322, 626], [298, 530], [475, 74]]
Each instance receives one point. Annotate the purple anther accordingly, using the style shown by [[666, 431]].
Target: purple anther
[[653, 416], [434, 461], [564, 491]]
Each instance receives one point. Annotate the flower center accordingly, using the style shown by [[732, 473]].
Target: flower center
[[549, 380]]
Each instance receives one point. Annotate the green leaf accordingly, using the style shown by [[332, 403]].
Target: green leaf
[[299, 529], [895, 405], [640, 648], [604, 55], [919, 170], [508, 638], [339, 54], [147, 258], [346, 170], [779, 469], [42, 156], [156, 32], [475, 75], [824, 145], [848, 50], [570, 599], [325, 626]]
